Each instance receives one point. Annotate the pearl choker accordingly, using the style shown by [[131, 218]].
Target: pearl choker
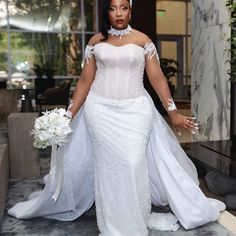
[[112, 31]]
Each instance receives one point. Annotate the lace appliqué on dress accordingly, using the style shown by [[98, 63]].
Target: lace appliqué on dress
[[88, 53], [68, 112], [151, 51], [171, 105]]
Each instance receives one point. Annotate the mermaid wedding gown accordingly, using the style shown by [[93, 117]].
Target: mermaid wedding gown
[[123, 155]]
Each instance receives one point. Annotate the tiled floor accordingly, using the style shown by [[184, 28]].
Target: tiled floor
[[86, 224], [227, 218]]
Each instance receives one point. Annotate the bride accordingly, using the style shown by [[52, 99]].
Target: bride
[[122, 154]]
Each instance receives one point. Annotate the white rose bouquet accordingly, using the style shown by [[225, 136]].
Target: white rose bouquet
[[51, 129]]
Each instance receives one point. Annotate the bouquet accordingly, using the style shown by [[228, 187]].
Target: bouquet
[[51, 129]]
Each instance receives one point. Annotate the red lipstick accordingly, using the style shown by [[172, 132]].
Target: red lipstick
[[119, 21]]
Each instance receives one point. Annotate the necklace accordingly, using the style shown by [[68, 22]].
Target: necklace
[[112, 31]]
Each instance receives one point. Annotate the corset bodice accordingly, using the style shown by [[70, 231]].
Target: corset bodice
[[120, 70]]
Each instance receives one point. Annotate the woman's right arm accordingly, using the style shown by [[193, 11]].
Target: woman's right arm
[[82, 86]]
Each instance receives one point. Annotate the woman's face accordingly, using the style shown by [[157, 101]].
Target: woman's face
[[119, 13]]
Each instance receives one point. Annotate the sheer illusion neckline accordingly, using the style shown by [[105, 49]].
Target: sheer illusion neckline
[[119, 46]]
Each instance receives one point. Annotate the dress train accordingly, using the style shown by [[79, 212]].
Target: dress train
[[77, 190]]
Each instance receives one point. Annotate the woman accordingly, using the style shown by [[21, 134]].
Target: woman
[[135, 158]]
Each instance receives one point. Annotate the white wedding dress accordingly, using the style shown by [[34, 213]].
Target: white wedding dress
[[123, 155]]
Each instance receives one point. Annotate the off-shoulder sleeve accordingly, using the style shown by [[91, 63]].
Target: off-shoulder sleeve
[[151, 51], [88, 53]]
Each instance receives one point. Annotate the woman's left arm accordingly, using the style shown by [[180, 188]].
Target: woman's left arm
[[158, 82]]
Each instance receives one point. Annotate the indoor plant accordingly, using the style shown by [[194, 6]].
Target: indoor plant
[[170, 69]]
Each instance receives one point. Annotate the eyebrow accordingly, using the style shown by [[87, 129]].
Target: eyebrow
[[124, 4]]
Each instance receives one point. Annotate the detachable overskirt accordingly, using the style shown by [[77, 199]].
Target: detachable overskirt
[[77, 190]]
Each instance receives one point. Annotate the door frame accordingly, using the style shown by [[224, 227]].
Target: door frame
[[179, 39]]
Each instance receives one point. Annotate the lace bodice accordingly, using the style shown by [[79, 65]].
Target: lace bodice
[[120, 70]]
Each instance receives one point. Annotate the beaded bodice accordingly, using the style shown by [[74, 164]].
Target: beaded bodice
[[120, 70]]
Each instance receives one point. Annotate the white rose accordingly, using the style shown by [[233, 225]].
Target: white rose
[[61, 112]]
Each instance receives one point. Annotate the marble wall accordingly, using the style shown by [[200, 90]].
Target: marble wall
[[210, 63]]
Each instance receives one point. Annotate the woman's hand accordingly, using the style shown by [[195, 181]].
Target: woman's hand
[[185, 122]]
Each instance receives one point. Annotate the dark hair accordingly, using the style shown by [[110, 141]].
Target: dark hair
[[105, 19]]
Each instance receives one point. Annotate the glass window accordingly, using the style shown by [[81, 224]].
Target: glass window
[[169, 51], [49, 34], [57, 53], [3, 15], [174, 40], [48, 15], [3, 54], [91, 16]]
